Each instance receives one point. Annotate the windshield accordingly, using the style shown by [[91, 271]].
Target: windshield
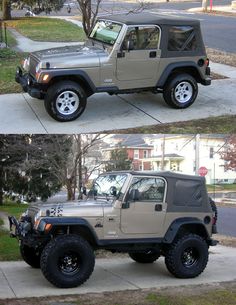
[[106, 31], [108, 185]]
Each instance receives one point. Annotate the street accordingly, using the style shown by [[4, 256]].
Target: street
[[218, 31], [226, 224]]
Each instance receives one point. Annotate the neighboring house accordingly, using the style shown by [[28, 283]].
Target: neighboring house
[[182, 153], [189, 153], [138, 149]]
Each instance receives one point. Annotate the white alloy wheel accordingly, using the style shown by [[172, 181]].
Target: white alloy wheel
[[67, 102]]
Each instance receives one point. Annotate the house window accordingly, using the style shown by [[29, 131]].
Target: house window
[[136, 154], [211, 153], [145, 154]]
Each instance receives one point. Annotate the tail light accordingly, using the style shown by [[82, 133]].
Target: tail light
[[207, 61]]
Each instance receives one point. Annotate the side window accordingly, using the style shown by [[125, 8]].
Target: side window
[[182, 38], [148, 189], [142, 38]]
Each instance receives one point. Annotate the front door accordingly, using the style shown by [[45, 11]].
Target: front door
[[140, 55], [144, 208]]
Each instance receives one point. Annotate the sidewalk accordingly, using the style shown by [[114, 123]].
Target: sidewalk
[[19, 280], [217, 8]]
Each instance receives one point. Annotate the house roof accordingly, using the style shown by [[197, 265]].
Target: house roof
[[133, 140]]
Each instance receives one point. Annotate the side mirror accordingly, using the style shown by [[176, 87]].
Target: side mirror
[[130, 45], [134, 195]]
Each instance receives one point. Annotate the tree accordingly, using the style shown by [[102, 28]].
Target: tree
[[229, 153], [30, 164], [6, 9], [89, 13], [119, 160]]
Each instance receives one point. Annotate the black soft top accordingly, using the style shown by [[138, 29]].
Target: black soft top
[[148, 18]]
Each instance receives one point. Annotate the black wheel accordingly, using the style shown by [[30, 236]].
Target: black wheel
[[65, 101], [30, 256], [145, 257], [180, 91], [187, 257], [67, 261]]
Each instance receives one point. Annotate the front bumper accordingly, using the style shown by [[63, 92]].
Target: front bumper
[[29, 84]]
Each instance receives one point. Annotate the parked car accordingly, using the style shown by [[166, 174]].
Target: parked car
[[145, 214]]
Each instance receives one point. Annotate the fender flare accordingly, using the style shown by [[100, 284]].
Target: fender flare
[[168, 70], [178, 223]]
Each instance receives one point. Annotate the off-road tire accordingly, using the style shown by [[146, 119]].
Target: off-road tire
[[176, 256], [30, 256], [73, 91], [144, 258], [63, 253], [173, 91]]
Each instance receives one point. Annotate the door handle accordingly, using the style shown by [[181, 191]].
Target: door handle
[[158, 207], [153, 54]]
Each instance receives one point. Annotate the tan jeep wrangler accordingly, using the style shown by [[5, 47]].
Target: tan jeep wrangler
[[145, 214], [123, 54]]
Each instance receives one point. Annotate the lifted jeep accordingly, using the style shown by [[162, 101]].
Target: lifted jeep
[[123, 54], [145, 214]]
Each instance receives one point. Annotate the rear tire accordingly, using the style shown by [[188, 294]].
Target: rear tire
[[65, 101], [30, 256], [145, 258], [187, 257], [67, 261], [180, 91]]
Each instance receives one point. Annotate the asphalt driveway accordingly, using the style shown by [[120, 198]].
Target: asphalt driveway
[[19, 280]]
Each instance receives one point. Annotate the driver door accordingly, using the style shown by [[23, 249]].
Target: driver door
[[144, 209], [140, 56]]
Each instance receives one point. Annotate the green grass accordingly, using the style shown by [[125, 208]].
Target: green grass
[[13, 209], [47, 29], [222, 187], [11, 41], [9, 246], [221, 124], [9, 60]]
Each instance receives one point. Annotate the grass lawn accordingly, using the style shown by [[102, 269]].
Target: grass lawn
[[11, 41], [9, 246], [222, 293], [47, 29], [221, 187], [9, 60], [221, 124]]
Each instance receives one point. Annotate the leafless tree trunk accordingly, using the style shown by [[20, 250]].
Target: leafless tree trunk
[[89, 13], [6, 9]]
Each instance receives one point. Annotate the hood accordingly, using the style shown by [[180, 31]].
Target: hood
[[69, 57], [88, 208]]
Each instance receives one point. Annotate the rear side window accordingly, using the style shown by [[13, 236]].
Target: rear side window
[[188, 193], [182, 38]]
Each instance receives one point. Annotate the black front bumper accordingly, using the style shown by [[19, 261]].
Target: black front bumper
[[29, 84]]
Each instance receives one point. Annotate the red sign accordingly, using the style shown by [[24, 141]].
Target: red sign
[[202, 171]]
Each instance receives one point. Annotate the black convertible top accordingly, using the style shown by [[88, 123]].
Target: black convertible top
[[149, 18]]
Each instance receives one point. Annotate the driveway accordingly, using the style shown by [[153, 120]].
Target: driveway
[[22, 114], [19, 280]]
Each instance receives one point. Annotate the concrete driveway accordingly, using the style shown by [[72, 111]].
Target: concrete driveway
[[22, 114], [19, 280]]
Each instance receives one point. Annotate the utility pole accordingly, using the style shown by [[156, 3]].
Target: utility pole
[[163, 153], [197, 147], [204, 5]]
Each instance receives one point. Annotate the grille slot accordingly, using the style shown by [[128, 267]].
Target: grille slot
[[33, 64]]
